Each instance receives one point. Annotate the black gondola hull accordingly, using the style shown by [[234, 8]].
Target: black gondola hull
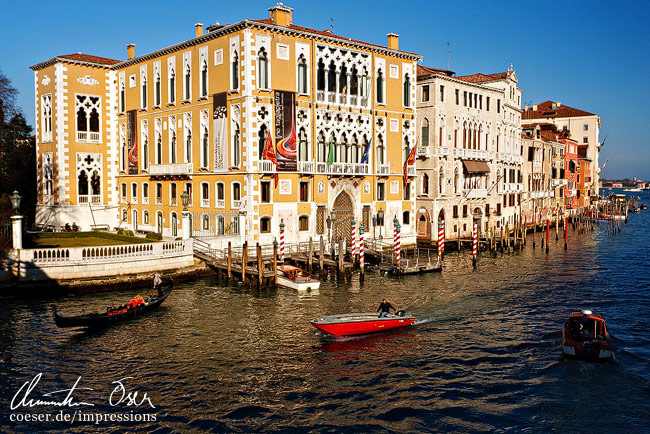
[[94, 320]]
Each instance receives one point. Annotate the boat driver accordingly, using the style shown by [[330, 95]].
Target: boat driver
[[384, 308]]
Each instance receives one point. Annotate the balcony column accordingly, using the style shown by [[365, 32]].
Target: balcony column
[[187, 229], [17, 231]]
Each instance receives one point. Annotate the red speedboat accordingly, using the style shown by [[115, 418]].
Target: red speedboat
[[349, 324], [585, 336]]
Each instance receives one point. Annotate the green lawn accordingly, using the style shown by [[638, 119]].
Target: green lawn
[[78, 239]]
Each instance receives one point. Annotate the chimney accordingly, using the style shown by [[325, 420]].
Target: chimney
[[393, 41], [534, 107], [130, 51], [199, 29], [559, 104], [526, 107], [281, 15]]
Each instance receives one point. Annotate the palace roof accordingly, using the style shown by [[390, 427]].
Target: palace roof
[[79, 58], [426, 71], [550, 109], [484, 78]]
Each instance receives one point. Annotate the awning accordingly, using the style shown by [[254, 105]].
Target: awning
[[476, 166]]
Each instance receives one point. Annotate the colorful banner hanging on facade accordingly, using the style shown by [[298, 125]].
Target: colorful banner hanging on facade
[[132, 141], [220, 128], [285, 131]]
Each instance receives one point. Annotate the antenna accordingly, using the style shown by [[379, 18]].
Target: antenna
[[332, 24], [448, 55]]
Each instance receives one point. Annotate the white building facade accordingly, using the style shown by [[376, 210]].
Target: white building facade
[[469, 152]]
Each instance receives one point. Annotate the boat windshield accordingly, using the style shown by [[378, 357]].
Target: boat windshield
[[582, 328]]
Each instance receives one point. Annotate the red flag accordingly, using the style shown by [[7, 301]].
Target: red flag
[[269, 154], [409, 162]]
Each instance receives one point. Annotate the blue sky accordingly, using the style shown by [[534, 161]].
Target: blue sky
[[589, 55]]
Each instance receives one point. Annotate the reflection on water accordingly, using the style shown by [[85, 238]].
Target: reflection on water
[[484, 354]]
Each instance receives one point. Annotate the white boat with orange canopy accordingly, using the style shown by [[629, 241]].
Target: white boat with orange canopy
[[296, 278]]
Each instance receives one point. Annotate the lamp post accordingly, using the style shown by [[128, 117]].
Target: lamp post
[[186, 216], [16, 221], [374, 226], [330, 229], [380, 220]]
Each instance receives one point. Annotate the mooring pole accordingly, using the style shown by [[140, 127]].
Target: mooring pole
[[244, 261], [229, 261], [260, 274]]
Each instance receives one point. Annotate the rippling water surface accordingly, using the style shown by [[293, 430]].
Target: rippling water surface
[[484, 355]]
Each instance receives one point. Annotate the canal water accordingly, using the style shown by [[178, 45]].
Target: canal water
[[483, 357]]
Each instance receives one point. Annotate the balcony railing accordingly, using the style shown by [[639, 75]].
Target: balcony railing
[[221, 203], [477, 193], [171, 169], [306, 166], [237, 204], [95, 199], [205, 202], [173, 201], [320, 95], [410, 170], [266, 166], [85, 136], [422, 151], [339, 168], [383, 169], [443, 151], [145, 201], [159, 201], [341, 98]]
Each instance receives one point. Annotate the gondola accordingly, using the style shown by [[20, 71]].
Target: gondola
[[110, 317]]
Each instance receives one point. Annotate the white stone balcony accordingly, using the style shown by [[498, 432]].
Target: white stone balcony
[[306, 167], [477, 193], [422, 151], [237, 204], [88, 137], [443, 151], [265, 166], [171, 169], [383, 169], [410, 170], [95, 199]]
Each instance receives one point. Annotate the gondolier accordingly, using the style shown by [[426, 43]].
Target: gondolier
[[384, 308], [157, 284]]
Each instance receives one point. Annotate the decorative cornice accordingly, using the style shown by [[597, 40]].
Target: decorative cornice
[[88, 81]]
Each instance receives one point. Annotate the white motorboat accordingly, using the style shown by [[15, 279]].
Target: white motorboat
[[297, 279]]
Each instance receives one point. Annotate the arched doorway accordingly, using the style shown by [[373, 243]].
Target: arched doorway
[[344, 217], [424, 227]]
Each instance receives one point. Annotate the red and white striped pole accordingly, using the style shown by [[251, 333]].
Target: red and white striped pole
[[441, 239], [474, 245], [361, 248], [281, 240], [396, 241], [354, 241]]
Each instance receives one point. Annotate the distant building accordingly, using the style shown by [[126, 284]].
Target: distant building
[[582, 127], [538, 196]]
